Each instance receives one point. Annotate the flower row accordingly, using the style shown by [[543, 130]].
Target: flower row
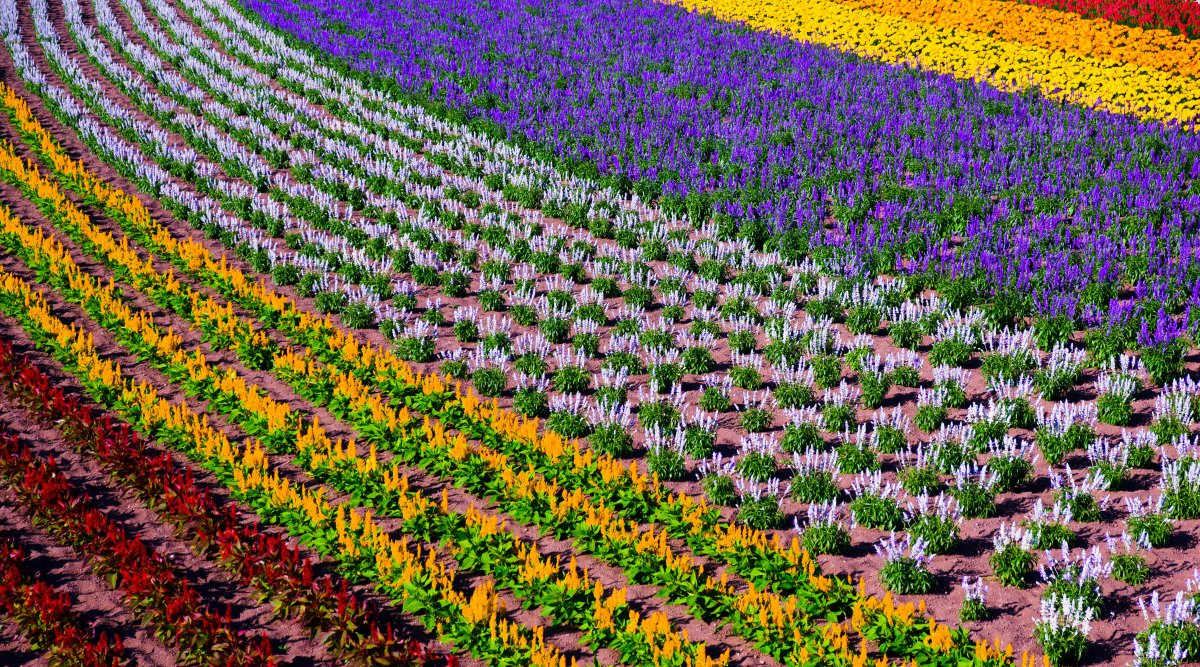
[[348, 625], [407, 573], [900, 179], [156, 592], [399, 364], [43, 614], [271, 421]]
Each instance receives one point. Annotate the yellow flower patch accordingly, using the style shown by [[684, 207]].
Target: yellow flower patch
[[1051, 30], [1059, 74]]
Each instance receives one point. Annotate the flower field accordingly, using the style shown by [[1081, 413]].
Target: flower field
[[806, 333]]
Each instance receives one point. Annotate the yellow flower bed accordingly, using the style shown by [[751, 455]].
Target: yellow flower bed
[[1114, 85]]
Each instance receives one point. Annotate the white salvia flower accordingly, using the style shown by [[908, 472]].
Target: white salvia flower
[[1126, 543], [1117, 384], [953, 375], [952, 434], [1011, 390], [917, 456], [975, 590], [929, 397], [1152, 653], [798, 372], [1180, 477], [962, 332], [863, 295], [1059, 513], [1012, 534], [422, 329], [825, 513], [717, 466], [1063, 415], [826, 287], [758, 443], [1012, 447], [908, 311], [872, 484], [1087, 566], [944, 507], [803, 416], [466, 313], [720, 381], [571, 403], [1126, 364], [750, 359], [1193, 585], [1187, 447], [904, 359], [971, 473], [1182, 610], [1060, 612], [1140, 507], [861, 342], [893, 419], [1139, 439], [1016, 344], [1064, 360], [823, 338], [584, 327], [657, 441], [872, 365], [758, 491], [860, 438], [1102, 450], [814, 461], [1171, 405], [608, 414], [994, 412], [892, 549], [842, 395], [1066, 483], [705, 421]]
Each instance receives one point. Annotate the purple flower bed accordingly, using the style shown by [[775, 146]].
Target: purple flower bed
[[1030, 207]]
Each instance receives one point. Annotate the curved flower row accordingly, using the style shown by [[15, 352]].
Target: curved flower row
[[281, 429], [278, 426], [745, 548], [741, 126], [157, 593], [43, 614], [956, 44], [520, 455], [408, 573], [1030, 25], [326, 330], [267, 562], [365, 545], [727, 542]]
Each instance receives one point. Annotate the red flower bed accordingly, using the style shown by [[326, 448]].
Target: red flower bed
[[323, 604], [1179, 16], [156, 592], [43, 615]]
